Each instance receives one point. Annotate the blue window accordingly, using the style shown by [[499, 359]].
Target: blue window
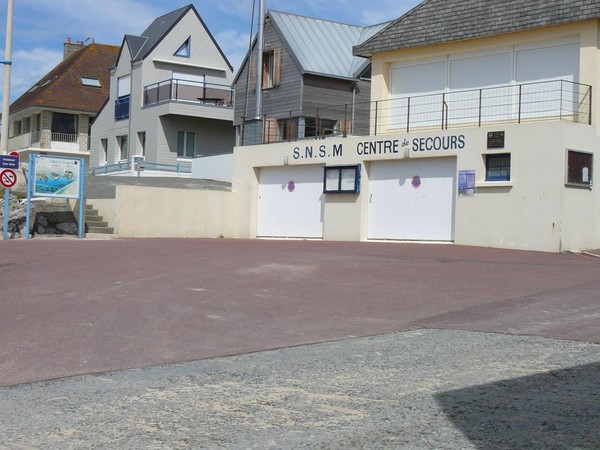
[[122, 108], [497, 167], [184, 50]]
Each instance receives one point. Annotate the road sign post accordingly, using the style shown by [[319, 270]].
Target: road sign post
[[8, 178], [6, 212]]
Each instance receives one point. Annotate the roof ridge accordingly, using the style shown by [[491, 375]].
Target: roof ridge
[[320, 19]]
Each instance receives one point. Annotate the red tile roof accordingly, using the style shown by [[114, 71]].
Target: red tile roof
[[62, 88]]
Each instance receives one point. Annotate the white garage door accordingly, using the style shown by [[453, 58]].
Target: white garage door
[[290, 202], [412, 200]]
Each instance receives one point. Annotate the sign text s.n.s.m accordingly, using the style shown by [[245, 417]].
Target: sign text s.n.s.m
[[382, 147]]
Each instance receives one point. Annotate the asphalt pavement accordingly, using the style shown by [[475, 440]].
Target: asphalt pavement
[[173, 343]]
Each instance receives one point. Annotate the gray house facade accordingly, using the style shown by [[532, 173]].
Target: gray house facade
[[311, 85], [170, 100]]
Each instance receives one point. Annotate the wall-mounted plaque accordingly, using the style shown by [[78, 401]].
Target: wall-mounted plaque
[[495, 139]]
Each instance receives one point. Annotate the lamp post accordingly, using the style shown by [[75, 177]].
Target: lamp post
[[6, 92]]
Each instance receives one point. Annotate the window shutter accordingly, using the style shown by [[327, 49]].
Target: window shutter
[[276, 67]]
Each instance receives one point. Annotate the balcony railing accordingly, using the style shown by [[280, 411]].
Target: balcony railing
[[543, 101], [52, 141], [122, 108], [188, 91]]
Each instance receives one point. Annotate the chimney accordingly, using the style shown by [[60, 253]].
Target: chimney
[[70, 48]]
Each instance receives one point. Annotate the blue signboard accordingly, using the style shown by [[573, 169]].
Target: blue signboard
[[9, 162]]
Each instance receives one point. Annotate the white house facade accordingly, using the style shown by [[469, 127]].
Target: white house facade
[[170, 100], [483, 131]]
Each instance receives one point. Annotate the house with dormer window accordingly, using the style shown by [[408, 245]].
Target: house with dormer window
[[170, 100], [54, 115]]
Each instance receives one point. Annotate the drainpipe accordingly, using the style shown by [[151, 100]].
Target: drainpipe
[[259, 58]]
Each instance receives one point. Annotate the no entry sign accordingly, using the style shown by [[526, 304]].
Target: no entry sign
[[8, 178]]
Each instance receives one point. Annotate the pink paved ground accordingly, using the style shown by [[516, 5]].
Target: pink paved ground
[[73, 307]]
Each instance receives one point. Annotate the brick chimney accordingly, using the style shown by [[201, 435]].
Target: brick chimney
[[71, 47]]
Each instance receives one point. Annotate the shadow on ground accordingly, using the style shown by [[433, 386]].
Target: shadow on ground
[[559, 409]]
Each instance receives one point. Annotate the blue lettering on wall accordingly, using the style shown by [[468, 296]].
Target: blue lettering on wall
[[437, 143]]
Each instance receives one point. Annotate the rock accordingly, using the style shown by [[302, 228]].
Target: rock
[[67, 227]]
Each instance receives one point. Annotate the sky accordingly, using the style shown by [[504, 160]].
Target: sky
[[41, 27]]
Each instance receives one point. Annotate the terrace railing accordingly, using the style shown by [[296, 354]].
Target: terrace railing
[[542, 101], [188, 91]]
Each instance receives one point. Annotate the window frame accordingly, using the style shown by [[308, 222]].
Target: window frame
[[495, 156], [568, 172], [271, 70], [123, 139], [337, 173], [185, 49], [184, 144], [91, 82]]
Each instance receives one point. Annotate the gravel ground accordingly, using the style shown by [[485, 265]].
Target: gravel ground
[[421, 389]]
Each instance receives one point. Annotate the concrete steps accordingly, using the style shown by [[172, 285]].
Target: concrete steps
[[95, 223]]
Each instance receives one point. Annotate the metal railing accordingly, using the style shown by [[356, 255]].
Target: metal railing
[[120, 166], [64, 137], [188, 91], [126, 166], [542, 101], [173, 168], [122, 108]]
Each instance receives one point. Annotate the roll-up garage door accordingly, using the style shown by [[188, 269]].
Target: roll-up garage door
[[290, 202], [412, 199]]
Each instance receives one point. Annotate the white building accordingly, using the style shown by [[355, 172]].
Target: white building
[[170, 99], [483, 131]]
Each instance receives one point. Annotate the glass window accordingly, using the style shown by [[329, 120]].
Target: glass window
[[341, 180], [186, 144], [497, 167], [89, 81], [123, 147], [184, 50], [64, 123], [579, 168]]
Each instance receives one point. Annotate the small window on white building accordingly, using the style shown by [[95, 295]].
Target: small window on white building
[[497, 167], [184, 50], [123, 146], [579, 168], [186, 144], [103, 151], [91, 82]]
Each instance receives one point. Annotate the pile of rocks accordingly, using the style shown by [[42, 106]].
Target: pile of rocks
[[47, 218], [16, 218]]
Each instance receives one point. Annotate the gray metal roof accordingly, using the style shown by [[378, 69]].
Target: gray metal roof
[[154, 33], [135, 44], [323, 47], [439, 21]]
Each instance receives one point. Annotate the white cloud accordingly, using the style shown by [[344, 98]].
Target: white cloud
[[234, 45], [28, 67]]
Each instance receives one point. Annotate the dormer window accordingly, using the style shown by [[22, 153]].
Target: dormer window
[[91, 82], [184, 50]]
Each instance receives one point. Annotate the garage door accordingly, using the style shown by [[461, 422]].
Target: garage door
[[412, 200], [290, 202]]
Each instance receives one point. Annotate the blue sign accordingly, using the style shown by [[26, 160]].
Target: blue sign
[[9, 162]]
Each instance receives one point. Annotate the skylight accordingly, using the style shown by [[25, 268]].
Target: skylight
[[89, 81]]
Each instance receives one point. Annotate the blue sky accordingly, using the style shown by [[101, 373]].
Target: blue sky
[[40, 27]]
